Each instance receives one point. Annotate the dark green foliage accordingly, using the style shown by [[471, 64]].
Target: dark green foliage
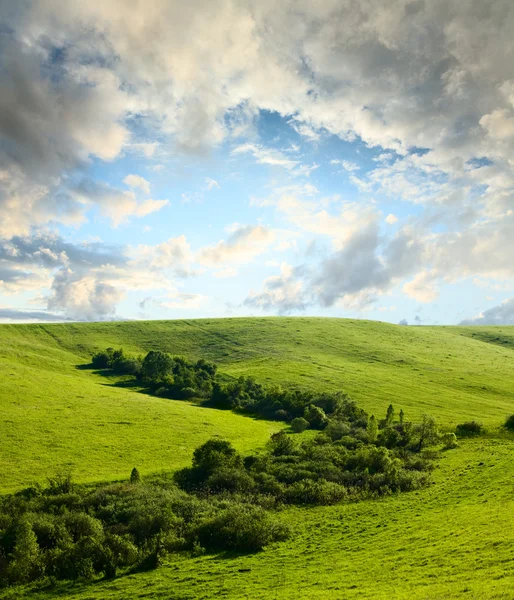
[[299, 424], [157, 367], [469, 429], [243, 528], [281, 444], [509, 423], [316, 417], [135, 477], [426, 433], [62, 483]]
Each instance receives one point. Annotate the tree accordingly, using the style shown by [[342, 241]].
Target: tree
[[402, 416], [426, 432], [372, 429], [215, 454], [156, 366], [389, 420], [24, 566], [299, 424], [135, 477], [281, 444], [316, 417]]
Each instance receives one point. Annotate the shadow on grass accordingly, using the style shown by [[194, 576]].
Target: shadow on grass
[[130, 383]]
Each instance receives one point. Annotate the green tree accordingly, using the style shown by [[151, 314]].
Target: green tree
[[426, 432], [389, 420], [281, 444], [299, 424], [25, 560], [316, 417], [372, 429], [156, 366], [135, 477], [215, 454]]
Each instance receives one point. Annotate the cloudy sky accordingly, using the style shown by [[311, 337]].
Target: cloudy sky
[[173, 159]]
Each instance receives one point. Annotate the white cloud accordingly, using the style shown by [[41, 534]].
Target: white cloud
[[266, 156], [136, 181], [211, 183], [422, 287], [244, 243], [391, 219]]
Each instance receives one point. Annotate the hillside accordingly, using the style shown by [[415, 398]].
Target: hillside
[[54, 413], [452, 540]]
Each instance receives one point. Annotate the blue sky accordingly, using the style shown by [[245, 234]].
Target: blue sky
[[224, 159]]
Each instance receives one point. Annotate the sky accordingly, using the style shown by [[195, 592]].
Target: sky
[[223, 158]]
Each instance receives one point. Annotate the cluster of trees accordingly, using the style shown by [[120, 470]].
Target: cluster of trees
[[175, 377], [165, 375], [67, 532], [224, 501], [353, 457]]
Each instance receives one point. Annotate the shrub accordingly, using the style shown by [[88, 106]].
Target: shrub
[[281, 444], [509, 423], [241, 527], [449, 440], [135, 477], [299, 424], [232, 480], [469, 429], [62, 483], [316, 417]]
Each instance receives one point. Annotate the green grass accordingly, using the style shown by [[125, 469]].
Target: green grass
[[453, 540]]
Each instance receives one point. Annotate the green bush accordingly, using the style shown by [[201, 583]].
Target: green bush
[[299, 424], [469, 429], [449, 440], [241, 527], [509, 423]]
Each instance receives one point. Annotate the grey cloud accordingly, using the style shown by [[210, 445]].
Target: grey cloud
[[87, 297], [12, 314], [367, 263], [52, 251], [502, 314]]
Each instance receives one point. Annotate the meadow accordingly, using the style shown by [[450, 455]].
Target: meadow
[[451, 540]]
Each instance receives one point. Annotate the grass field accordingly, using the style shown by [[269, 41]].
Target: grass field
[[452, 540]]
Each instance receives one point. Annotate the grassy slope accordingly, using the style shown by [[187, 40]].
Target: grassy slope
[[453, 540]]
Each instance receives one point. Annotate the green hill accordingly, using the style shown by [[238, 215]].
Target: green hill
[[452, 540]]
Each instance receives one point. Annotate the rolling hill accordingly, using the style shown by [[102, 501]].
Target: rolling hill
[[452, 540]]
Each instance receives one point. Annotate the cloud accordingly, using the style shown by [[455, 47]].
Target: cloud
[[81, 297], [243, 244], [422, 287], [502, 314], [16, 315], [183, 301], [426, 87], [136, 181], [211, 184], [347, 165], [174, 253], [391, 219], [266, 156], [114, 204], [283, 293]]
